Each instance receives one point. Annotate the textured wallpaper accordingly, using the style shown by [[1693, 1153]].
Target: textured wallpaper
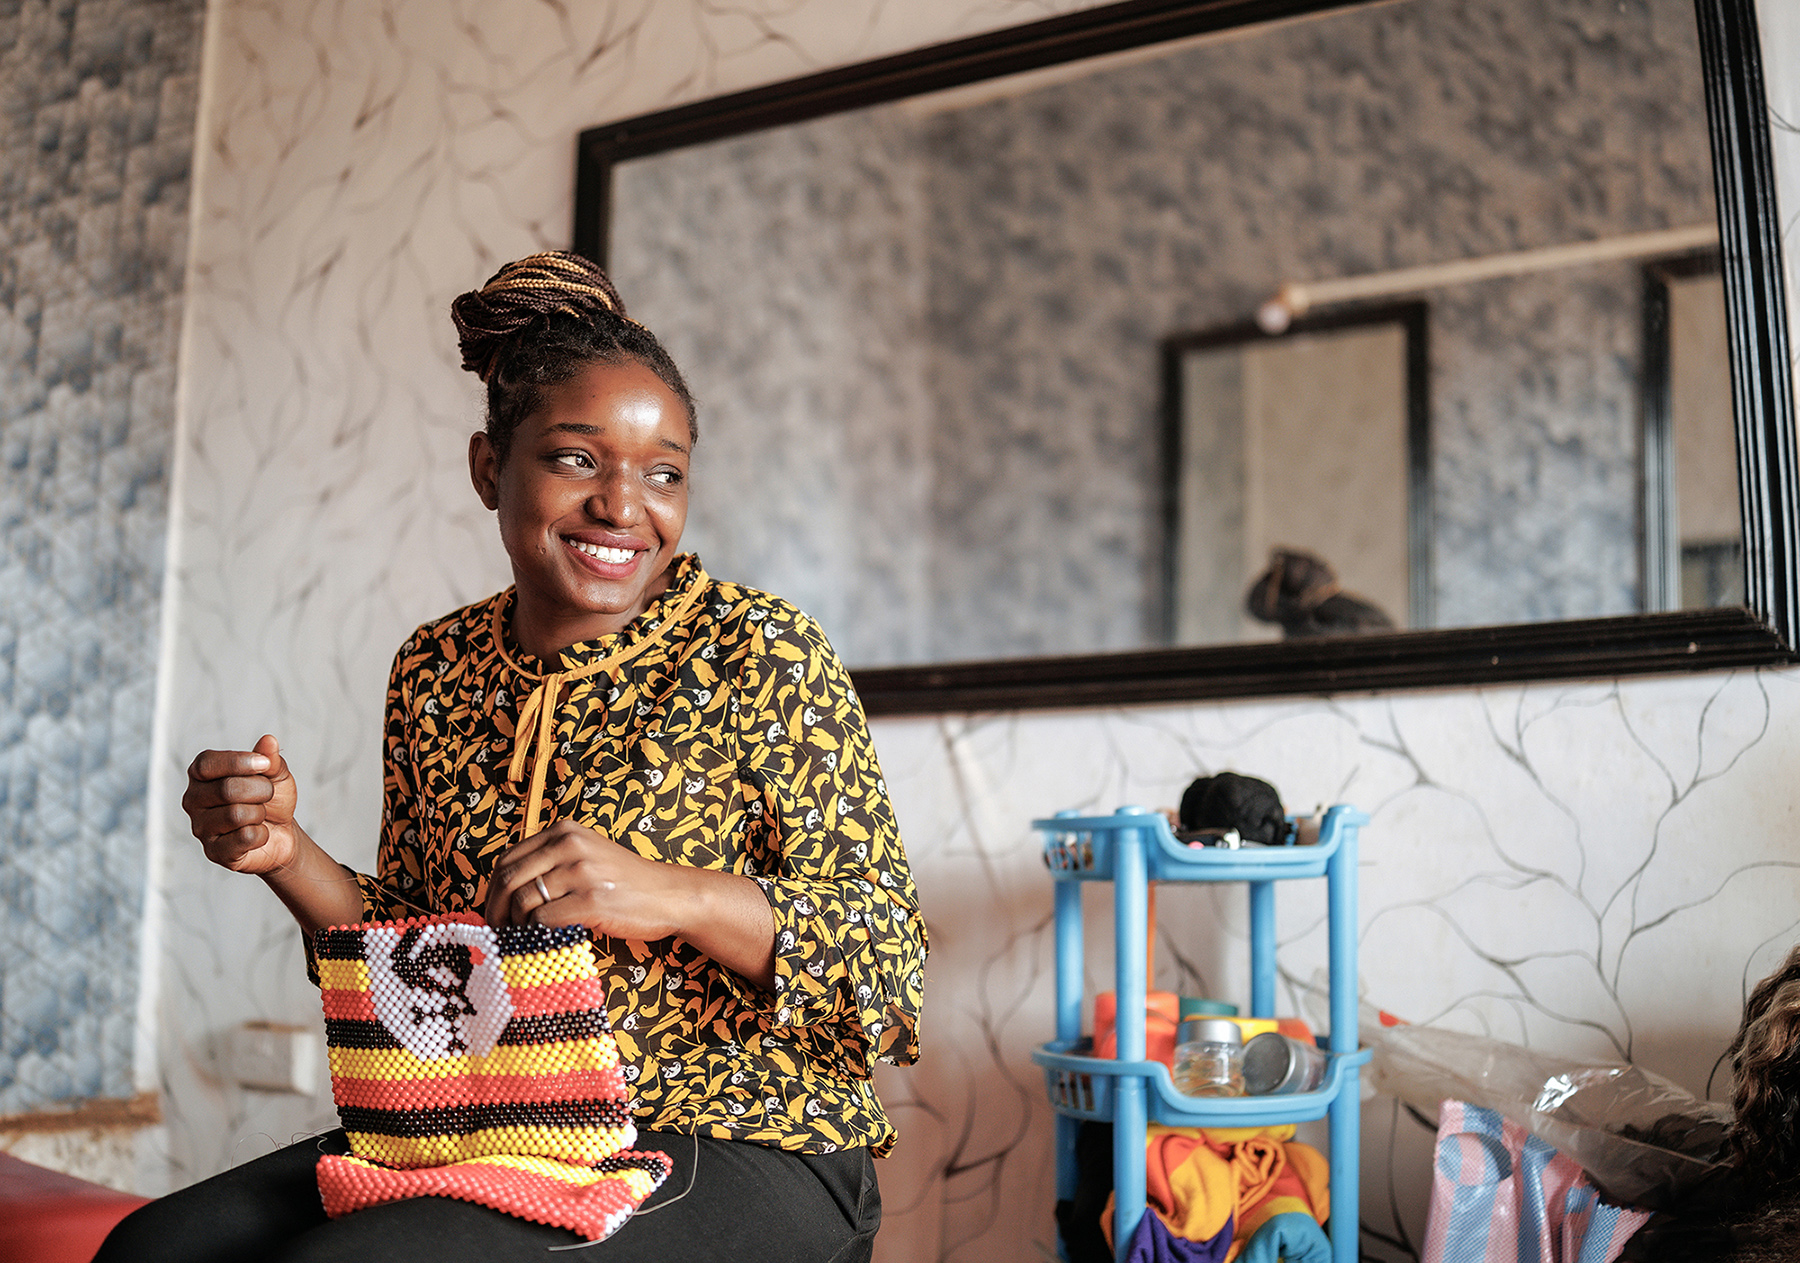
[[1069, 229], [97, 101], [1599, 871]]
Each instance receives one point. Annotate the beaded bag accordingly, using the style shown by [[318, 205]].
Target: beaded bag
[[477, 1063]]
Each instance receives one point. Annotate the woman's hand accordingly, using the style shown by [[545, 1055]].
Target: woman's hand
[[240, 804], [593, 881]]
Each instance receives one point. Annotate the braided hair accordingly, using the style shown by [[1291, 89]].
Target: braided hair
[[540, 321]]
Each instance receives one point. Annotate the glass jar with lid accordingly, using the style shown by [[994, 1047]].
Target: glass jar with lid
[[1209, 1058]]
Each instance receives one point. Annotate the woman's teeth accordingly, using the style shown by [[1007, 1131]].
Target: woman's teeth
[[612, 556]]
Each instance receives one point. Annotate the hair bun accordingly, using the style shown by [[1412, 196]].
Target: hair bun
[[554, 282]]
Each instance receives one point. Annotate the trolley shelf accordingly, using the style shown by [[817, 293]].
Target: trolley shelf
[[1081, 1087], [1081, 848], [1132, 848]]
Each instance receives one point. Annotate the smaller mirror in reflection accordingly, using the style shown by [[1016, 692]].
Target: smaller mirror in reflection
[[1693, 531], [1299, 494]]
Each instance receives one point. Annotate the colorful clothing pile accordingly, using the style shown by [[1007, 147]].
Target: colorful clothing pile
[[1213, 1191], [476, 1064]]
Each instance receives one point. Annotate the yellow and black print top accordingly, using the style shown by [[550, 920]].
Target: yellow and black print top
[[722, 732]]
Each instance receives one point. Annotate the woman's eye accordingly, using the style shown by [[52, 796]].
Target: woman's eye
[[667, 477]]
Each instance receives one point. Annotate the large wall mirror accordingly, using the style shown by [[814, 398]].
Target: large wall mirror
[[944, 311]]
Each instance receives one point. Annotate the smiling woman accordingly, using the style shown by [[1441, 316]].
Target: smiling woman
[[591, 502], [622, 743]]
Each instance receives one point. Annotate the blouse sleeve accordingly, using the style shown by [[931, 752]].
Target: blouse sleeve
[[850, 944], [397, 890]]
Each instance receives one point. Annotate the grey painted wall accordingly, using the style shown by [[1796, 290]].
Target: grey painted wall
[[1070, 229], [786, 274], [97, 108]]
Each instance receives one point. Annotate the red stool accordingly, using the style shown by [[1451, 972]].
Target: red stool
[[49, 1217]]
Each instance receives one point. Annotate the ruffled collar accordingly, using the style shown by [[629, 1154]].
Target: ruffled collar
[[534, 736]]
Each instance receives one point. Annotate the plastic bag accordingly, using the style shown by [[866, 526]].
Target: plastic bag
[[1642, 1140], [1500, 1193]]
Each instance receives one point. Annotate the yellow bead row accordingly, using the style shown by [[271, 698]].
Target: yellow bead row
[[573, 1144], [562, 1057], [541, 969]]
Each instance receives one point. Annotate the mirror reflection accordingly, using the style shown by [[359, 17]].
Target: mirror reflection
[[927, 337], [1303, 456], [1693, 539]]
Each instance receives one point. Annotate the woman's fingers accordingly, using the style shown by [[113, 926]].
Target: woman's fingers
[[202, 795], [523, 861], [224, 793], [210, 765], [533, 901], [214, 822], [232, 848], [236, 800], [591, 880], [269, 749], [574, 863]]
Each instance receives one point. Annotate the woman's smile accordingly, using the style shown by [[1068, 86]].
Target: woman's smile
[[591, 499], [611, 558]]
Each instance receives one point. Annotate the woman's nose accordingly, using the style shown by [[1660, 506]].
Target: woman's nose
[[614, 504]]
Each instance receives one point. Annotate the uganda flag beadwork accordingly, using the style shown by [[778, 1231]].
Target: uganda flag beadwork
[[477, 1063]]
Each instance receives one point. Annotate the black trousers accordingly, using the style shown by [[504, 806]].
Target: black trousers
[[746, 1203]]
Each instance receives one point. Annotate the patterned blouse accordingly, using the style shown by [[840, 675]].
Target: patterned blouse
[[720, 731]]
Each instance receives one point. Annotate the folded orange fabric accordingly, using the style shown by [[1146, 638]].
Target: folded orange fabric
[[1273, 1179], [1203, 1181], [1187, 1182]]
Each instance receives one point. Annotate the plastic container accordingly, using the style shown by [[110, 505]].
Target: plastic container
[[1275, 1065], [1209, 1058], [1200, 1006], [1250, 1027], [1161, 1009]]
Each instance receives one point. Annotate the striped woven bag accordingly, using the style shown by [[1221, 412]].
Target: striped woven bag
[[477, 1063]]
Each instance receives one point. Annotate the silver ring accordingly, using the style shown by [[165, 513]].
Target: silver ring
[[541, 888]]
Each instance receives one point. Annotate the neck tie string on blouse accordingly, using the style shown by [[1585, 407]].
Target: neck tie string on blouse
[[539, 708]]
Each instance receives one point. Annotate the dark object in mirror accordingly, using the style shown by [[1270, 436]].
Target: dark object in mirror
[[1301, 593], [1229, 802]]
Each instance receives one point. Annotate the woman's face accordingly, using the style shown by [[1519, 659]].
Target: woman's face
[[591, 500]]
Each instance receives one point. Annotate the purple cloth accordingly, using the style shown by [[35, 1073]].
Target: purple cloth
[[1154, 1243]]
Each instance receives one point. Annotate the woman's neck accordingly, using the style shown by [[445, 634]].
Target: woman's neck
[[543, 629]]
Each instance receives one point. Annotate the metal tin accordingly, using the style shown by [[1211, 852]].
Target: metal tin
[[1275, 1065]]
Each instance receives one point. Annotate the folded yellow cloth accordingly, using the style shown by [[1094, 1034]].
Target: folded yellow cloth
[[1204, 1181]]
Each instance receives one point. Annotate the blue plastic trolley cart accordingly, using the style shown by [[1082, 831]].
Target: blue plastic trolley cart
[[1130, 849]]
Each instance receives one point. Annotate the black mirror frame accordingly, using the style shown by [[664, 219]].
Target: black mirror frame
[[1760, 634]]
